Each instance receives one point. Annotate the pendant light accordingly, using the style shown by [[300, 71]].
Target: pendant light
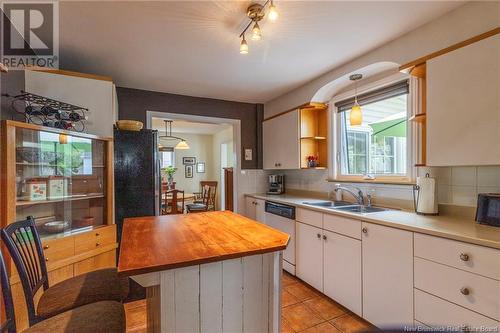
[[182, 144], [256, 33], [243, 46], [356, 116], [273, 13]]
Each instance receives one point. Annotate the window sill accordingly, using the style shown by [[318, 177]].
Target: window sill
[[372, 181]]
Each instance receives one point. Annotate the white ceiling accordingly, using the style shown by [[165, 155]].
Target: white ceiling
[[183, 127], [192, 47]]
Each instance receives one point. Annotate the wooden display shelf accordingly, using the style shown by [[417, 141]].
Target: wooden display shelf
[[69, 198], [314, 168], [313, 138], [313, 135], [419, 117]]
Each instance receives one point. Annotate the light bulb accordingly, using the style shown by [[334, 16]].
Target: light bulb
[[256, 33], [273, 12], [243, 46], [356, 117]]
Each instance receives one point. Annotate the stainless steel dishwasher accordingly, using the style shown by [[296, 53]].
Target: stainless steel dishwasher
[[282, 217]]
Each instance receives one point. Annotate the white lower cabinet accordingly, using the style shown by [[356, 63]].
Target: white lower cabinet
[[342, 270], [309, 254], [387, 275], [255, 209]]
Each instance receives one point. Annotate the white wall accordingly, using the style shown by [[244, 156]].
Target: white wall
[[225, 136], [201, 148], [469, 20]]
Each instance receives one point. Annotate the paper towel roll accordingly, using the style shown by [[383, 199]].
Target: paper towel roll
[[427, 196]]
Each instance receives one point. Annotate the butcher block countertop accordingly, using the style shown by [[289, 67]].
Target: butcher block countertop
[[452, 227], [158, 243]]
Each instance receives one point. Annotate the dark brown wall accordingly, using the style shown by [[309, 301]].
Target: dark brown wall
[[134, 103]]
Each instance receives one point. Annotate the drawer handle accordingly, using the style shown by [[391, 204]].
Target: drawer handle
[[97, 244], [364, 230], [465, 291], [45, 247], [97, 234], [464, 257], [324, 237], [318, 235], [46, 259]]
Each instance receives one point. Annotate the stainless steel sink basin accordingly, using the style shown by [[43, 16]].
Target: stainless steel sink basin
[[361, 209], [328, 204], [344, 206]]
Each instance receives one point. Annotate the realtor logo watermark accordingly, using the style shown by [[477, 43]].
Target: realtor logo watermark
[[30, 34]]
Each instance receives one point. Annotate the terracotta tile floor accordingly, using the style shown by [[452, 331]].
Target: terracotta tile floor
[[304, 310]]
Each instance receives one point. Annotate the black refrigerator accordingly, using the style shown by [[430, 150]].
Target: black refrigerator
[[137, 175]]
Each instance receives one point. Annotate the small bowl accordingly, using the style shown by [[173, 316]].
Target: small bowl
[[129, 125], [83, 222], [55, 227]]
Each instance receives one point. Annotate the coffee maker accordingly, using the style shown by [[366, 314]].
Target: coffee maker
[[276, 184]]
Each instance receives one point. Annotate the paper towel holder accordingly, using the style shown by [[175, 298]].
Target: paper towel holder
[[419, 195]]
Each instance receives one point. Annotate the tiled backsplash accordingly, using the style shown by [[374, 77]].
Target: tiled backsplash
[[456, 185], [460, 185]]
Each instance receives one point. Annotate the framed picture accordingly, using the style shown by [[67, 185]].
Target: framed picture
[[188, 171], [189, 160], [200, 167]]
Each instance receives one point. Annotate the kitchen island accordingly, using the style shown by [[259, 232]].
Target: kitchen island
[[205, 272]]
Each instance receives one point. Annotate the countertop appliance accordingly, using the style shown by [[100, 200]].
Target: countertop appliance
[[137, 175], [282, 217], [425, 196], [488, 209], [276, 184]]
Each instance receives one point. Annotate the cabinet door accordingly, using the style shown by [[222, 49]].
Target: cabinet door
[[250, 208], [260, 211], [387, 276], [463, 106], [281, 142], [342, 270], [309, 254]]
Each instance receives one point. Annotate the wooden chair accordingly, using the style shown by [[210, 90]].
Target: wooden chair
[[105, 316], [172, 205], [203, 205], [25, 248], [213, 193]]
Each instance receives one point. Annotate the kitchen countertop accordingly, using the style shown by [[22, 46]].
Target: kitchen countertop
[[452, 227], [158, 243]]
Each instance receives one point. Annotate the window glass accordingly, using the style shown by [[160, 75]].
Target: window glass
[[167, 159], [379, 145]]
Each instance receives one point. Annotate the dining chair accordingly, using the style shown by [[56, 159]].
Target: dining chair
[[104, 316], [213, 193], [174, 204], [203, 206], [25, 247]]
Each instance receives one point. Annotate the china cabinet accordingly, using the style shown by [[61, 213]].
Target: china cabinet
[[65, 181]]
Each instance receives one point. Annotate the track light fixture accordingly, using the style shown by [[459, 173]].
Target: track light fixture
[[256, 13]]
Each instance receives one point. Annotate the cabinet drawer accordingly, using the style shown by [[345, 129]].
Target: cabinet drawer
[[475, 292], [58, 249], [106, 235], [309, 217], [433, 311], [85, 242], [91, 240], [342, 225], [469, 257]]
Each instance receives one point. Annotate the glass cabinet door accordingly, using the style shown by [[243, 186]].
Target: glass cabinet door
[[60, 180]]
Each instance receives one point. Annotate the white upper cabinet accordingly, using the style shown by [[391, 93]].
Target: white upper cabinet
[[95, 93], [463, 105], [281, 142]]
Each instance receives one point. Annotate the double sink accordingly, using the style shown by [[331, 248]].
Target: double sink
[[344, 206]]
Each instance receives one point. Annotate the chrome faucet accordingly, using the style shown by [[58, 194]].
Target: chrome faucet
[[358, 196]]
